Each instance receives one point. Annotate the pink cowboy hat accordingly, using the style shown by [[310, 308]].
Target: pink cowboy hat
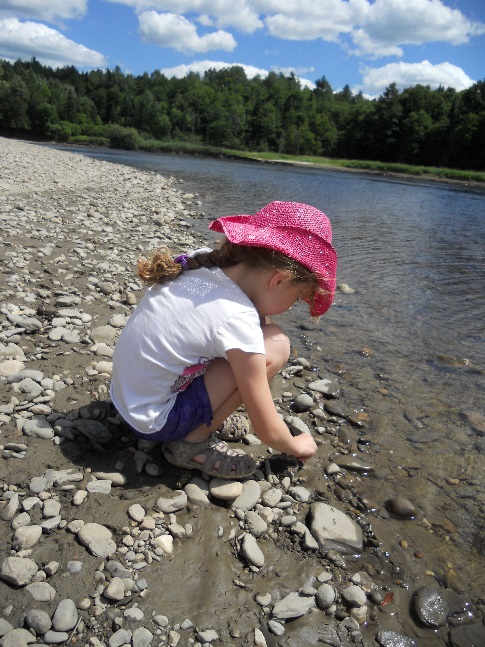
[[297, 230]]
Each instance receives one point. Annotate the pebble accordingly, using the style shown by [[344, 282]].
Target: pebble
[[293, 606], [250, 495], [226, 490], [251, 552], [401, 508], [65, 616], [18, 571], [172, 504], [334, 530], [430, 605], [97, 539], [354, 596], [325, 596]]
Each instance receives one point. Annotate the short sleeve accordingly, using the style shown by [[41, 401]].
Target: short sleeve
[[242, 331]]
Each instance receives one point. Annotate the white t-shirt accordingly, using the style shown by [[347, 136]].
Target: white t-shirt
[[178, 328]]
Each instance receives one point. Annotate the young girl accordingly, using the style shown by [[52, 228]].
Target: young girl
[[198, 345]]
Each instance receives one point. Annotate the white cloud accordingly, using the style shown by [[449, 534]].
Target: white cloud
[[49, 10], [27, 39], [172, 30], [311, 20], [376, 27], [200, 67], [376, 80], [391, 23], [240, 14]]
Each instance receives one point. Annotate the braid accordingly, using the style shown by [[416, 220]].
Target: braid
[[160, 267]]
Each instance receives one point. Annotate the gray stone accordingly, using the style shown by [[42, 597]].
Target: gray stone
[[18, 570], [117, 479], [196, 492], [136, 512], [142, 637], [251, 551], [41, 591], [250, 495], [99, 487], [334, 530], [39, 621], [276, 628], [18, 638], [51, 508], [292, 606], [325, 596], [120, 637], [300, 493], [401, 508], [104, 334], [393, 639], [55, 637], [65, 616], [115, 589], [134, 614], [96, 432], [38, 428], [303, 402], [172, 504], [255, 524], [326, 386], [26, 537], [224, 489], [354, 596], [5, 627], [10, 510], [352, 463], [97, 539], [430, 606], [207, 636]]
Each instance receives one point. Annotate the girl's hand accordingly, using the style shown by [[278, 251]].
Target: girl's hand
[[305, 447]]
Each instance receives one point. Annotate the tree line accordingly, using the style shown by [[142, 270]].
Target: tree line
[[224, 108]]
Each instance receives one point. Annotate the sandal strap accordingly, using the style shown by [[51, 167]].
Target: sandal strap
[[231, 463]]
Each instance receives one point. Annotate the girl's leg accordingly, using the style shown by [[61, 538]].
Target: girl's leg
[[221, 385]]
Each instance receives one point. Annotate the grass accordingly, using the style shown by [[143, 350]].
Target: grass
[[155, 146]]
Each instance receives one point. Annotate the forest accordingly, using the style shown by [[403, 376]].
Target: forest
[[224, 108]]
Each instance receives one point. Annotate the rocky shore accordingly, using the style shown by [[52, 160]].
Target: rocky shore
[[102, 543]]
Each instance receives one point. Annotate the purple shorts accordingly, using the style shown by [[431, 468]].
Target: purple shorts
[[192, 408]]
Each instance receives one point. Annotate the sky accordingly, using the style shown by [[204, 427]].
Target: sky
[[365, 44]]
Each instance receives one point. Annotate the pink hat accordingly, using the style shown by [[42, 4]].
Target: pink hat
[[297, 230]]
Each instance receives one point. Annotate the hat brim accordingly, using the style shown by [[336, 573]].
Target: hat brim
[[242, 230]]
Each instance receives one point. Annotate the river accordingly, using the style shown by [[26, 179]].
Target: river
[[407, 344]]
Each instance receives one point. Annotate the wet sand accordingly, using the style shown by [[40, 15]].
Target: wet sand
[[183, 558]]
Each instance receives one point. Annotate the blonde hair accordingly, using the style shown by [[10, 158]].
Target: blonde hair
[[162, 267]]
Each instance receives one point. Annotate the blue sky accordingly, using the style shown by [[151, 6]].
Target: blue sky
[[366, 44]]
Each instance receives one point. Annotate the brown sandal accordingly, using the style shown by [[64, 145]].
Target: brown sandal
[[231, 464], [233, 428]]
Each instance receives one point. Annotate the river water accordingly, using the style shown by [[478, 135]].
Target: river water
[[408, 344]]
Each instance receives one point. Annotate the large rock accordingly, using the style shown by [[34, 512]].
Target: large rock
[[18, 570], [293, 605], [334, 530], [97, 539]]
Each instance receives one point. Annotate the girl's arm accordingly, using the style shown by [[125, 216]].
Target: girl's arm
[[249, 371]]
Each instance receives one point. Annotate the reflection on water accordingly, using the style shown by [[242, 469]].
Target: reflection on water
[[414, 254]]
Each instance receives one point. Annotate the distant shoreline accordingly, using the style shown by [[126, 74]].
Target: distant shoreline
[[233, 155], [392, 174]]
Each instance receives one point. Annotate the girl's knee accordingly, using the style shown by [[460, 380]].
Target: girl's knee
[[277, 346]]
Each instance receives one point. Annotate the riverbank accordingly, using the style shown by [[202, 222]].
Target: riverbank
[[173, 556]]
